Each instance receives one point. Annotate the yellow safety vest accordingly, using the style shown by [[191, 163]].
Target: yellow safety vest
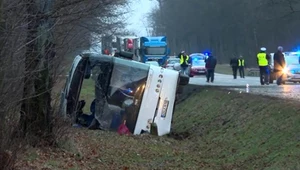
[[182, 60], [241, 62], [262, 59]]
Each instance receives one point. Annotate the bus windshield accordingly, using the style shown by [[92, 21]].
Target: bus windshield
[[155, 51]]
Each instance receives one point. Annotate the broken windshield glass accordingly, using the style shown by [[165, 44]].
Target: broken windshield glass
[[119, 91]]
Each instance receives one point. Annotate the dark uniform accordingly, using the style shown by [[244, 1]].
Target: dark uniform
[[234, 66], [263, 63], [241, 66], [210, 65], [279, 65]]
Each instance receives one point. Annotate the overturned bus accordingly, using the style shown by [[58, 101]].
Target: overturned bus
[[135, 93]]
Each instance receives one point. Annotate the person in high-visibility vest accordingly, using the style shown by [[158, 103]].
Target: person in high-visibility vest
[[263, 63], [184, 62], [241, 66]]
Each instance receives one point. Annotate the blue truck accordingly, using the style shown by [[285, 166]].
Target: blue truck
[[154, 49]]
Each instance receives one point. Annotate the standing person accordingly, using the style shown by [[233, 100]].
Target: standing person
[[241, 66], [210, 65], [181, 53], [263, 63], [234, 66], [106, 51], [279, 64], [184, 62]]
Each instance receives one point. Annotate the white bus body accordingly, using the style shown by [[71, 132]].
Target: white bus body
[[153, 92]]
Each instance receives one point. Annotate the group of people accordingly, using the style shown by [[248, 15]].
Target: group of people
[[238, 64], [210, 65], [263, 61]]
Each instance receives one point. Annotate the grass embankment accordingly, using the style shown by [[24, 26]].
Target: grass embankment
[[221, 130], [87, 93], [226, 69]]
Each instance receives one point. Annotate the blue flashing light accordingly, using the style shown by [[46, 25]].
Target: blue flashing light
[[206, 53], [297, 50]]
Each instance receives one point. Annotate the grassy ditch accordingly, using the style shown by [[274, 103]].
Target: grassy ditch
[[213, 129], [240, 130]]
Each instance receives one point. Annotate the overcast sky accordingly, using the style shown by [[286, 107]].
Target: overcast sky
[[138, 16]]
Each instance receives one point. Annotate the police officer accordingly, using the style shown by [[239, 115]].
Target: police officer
[[180, 54], [241, 65], [263, 63], [184, 63], [234, 66]]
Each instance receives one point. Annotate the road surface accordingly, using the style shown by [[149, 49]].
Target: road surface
[[289, 90]]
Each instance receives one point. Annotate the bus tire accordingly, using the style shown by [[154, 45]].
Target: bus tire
[[183, 79]]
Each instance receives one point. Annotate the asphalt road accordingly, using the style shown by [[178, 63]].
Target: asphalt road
[[289, 90]]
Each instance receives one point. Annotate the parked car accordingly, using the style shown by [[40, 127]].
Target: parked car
[[170, 63], [198, 55], [197, 64]]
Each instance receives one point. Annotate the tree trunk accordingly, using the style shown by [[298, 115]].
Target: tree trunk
[[36, 107]]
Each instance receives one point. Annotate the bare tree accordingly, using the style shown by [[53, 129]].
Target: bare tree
[[35, 36]]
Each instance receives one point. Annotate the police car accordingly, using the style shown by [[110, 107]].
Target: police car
[[292, 71]]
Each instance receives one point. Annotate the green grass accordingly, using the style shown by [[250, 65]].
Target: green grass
[[226, 131], [226, 69], [223, 69], [87, 93], [240, 130]]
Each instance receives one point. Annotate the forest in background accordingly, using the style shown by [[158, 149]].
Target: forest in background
[[228, 28]]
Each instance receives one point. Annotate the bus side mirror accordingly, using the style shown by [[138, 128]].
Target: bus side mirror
[[88, 70], [87, 73]]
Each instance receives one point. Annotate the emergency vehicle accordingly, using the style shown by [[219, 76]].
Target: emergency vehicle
[[142, 94], [292, 71]]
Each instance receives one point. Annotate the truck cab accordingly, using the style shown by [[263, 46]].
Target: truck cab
[[154, 49]]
